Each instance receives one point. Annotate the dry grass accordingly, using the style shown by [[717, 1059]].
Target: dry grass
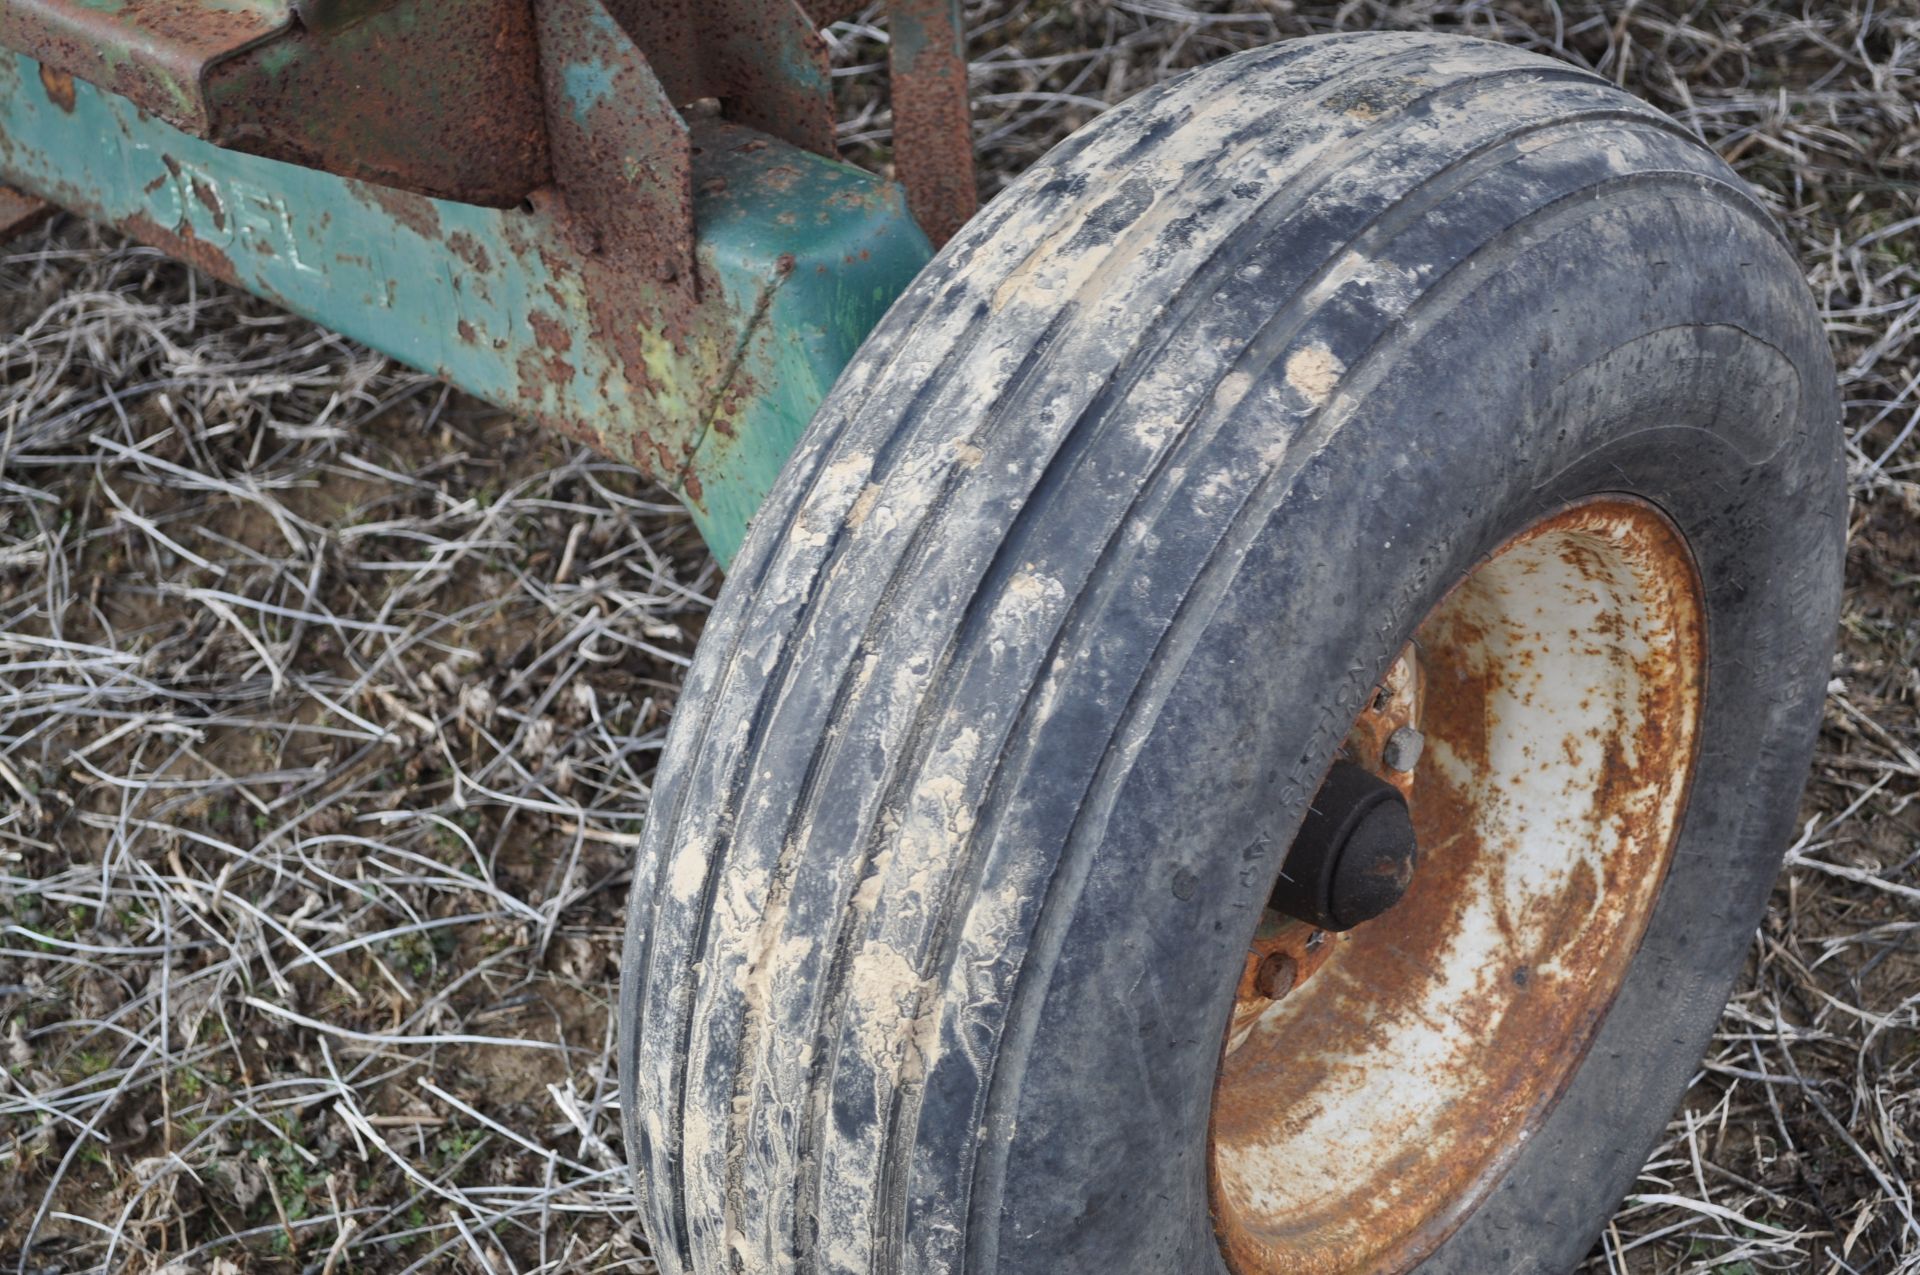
[[328, 703]]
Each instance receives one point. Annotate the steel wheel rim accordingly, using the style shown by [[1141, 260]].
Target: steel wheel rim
[[1374, 1084]]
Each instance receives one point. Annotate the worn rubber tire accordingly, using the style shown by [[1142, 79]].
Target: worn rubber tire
[[1055, 618]]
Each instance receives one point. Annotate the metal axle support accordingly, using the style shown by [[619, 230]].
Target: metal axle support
[[620, 218]]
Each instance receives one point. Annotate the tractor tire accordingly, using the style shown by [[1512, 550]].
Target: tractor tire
[[1404, 402]]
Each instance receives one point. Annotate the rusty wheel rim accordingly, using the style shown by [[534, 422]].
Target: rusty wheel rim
[[1374, 1084]]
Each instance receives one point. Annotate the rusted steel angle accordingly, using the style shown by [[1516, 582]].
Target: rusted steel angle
[[153, 52], [443, 97], [439, 97], [326, 15]]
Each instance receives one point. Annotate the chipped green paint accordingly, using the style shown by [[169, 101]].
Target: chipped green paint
[[797, 257]]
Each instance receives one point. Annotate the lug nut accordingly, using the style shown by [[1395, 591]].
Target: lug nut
[[1354, 855], [1275, 976], [1402, 750]]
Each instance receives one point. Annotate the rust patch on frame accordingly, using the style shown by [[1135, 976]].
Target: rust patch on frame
[[184, 245], [20, 212], [415, 212], [1362, 1114], [59, 87], [827, 12]]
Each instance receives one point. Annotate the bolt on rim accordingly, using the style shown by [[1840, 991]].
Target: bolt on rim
[[1541, 729]]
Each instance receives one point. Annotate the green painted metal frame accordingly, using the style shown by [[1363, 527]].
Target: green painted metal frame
[[705, 382]]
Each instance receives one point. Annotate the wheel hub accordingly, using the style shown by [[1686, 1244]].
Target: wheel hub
[[1354, 856], [1397, 1034]]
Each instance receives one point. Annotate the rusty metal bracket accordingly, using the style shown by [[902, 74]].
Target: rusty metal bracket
[[932, 107], [932, 116], [622, 156], [761, 61], [440, 97], [152, 52]]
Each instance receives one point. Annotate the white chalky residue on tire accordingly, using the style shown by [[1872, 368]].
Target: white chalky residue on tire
[[1314, 371]]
